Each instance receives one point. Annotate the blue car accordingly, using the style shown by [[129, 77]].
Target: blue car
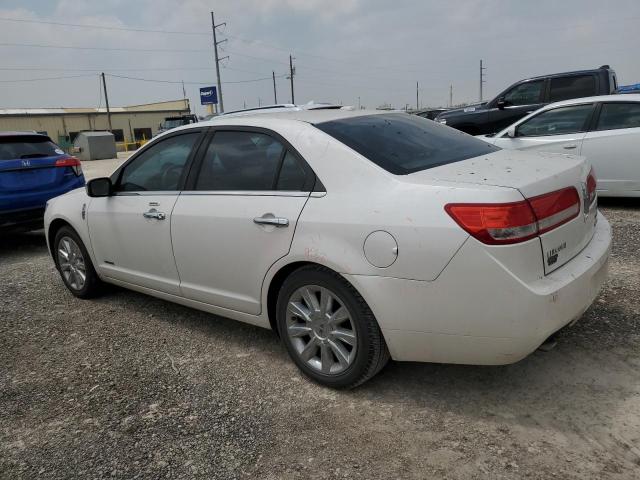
[[33, 170]]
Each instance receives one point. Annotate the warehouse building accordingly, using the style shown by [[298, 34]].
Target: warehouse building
[[132, 124]]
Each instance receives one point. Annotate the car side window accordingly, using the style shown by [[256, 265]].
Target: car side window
[[566, 88], [524, 94], [160, 166], [619, 115], [558, 121], [292, 175], [238, 160]]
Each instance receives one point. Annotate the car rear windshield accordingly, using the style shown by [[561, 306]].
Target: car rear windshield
[[402, 143], [16, 147]]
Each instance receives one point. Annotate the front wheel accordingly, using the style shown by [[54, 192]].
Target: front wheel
[[328, 329], [74, 264]]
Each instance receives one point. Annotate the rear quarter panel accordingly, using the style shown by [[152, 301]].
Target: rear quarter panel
[[362, 198]]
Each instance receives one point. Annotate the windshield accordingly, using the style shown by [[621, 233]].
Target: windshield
[[17, 147], [403, 144], [173, 123]]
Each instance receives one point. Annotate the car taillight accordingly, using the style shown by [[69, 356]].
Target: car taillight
[[72, 162], [506, 223], [592, 184]]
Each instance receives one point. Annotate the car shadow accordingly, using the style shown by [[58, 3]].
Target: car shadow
[[566, 388], [23, 243], [619, 202]]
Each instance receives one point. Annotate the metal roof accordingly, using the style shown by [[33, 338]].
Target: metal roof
[[170, 105], [22, 134]]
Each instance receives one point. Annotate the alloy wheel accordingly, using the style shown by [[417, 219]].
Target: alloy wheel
[[321, 329], [71, 262]]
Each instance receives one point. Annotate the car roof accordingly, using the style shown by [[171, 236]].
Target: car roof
[[307, 116], [629, 97], [574, 72]]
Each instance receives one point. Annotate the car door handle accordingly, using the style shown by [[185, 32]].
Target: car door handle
[[153, 213], [570, 147], [268, 219]]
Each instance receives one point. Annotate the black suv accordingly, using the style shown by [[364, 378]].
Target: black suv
[[528, 95]]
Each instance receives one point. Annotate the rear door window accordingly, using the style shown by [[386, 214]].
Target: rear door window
[[241, 161], [402, 144], [23, 147], [558, 121], [293, 176], [566, 88], [619, 115]]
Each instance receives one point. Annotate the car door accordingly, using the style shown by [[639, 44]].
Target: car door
[[559, 130], [612, 147], [238, 217], [130, 230], [520, 100]]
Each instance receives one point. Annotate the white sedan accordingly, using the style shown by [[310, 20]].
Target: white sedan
[[604, 129], [355, 235]]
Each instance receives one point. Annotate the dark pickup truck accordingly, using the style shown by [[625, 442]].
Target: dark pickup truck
[[528, 95]]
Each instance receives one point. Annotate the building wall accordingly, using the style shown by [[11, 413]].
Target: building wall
[[59, 125]]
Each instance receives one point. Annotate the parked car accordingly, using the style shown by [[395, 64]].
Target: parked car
[[529, 95], [33, 170], [430, 113], [170, 123], [635, 88], [605, 129], [356, 235]]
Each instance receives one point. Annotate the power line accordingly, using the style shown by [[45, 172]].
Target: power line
[[45, 78], [101, 27], [72, 69], [189, 83], [138, 79], [73, 47]]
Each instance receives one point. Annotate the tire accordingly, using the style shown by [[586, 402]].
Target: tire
[[68, 241], [329, 349]]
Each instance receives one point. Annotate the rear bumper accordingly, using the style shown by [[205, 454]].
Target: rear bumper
[[34, 199], [477, 311], [24, 219]]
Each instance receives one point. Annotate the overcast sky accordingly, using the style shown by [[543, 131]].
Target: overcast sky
[[376, 49]]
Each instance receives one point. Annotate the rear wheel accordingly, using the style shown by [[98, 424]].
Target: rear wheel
[[328, 329], [74, 264]]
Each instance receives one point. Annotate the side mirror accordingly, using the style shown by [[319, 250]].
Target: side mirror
[[99, 187], [501, 103], [511, 132]]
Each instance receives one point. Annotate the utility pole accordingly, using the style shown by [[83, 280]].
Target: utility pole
[[292, 72], [184, 95], [259, 102], [106, 100], [275, 94], [417, 96], [359, 107], [482, 76], [450, 95], [215, 51]]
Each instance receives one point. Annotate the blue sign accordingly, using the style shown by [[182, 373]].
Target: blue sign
[[208, 96]]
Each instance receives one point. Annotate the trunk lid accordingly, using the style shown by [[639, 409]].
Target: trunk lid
[[532, 174], [31, 174]]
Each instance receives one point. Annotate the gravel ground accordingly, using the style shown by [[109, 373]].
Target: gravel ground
[[129, 386]]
